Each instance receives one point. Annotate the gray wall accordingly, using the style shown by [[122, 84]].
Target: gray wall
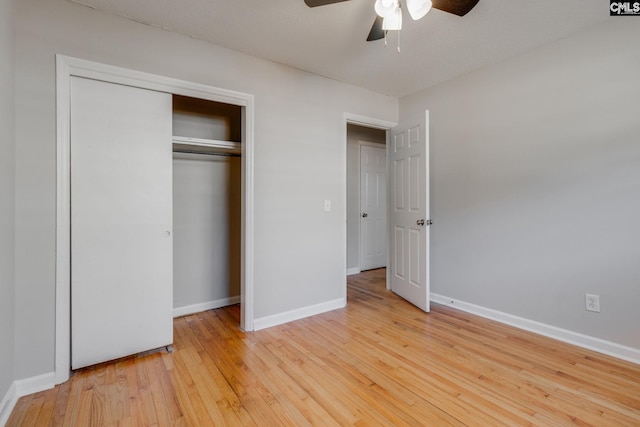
[[535, 183], [206, 228], [355, 134], [300, 158], [6, 198]]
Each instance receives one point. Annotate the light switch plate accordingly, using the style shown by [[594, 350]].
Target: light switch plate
[[327, 205]]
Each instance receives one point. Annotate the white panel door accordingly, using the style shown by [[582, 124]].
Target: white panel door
[[373, 207], [121, 221], [409, 214]]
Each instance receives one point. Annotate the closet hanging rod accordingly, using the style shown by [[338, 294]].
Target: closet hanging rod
[[208, 153]]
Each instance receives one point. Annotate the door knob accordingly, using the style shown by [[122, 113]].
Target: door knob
[[364, 215], [420, 222]]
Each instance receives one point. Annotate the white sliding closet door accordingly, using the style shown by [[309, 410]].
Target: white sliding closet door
[[121, 221]]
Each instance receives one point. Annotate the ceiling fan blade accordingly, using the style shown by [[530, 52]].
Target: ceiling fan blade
[[316, 3], [457, 7], [376, 32]]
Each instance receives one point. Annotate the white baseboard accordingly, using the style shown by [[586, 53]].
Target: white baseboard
[[352, 271], [21, 388], [301, 313], [209, 305], [7, 404], [619, 351], [35, 384]]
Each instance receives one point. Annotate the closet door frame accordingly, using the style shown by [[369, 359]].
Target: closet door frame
[[66, 67]]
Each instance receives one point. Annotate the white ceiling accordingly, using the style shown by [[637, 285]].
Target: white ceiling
[[330, 40]]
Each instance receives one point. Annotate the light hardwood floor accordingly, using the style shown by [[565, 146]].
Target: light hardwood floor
[[380, 361]]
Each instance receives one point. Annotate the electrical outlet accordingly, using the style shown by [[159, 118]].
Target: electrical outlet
[[592, 302]]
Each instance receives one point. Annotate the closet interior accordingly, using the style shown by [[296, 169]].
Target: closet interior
[[207, 174]]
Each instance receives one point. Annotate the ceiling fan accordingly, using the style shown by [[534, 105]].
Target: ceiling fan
[[391, 8]]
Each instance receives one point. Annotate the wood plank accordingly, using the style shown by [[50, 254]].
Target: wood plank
[[26, 408], [380, 361]]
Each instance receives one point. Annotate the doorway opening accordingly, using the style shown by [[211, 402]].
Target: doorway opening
[[369, 137], [366, 198], [207, 204], [407, 221]]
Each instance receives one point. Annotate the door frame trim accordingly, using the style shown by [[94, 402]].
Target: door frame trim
[[357, 119], [67, 67]]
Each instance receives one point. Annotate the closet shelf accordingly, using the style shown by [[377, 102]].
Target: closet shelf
[[209, 143]]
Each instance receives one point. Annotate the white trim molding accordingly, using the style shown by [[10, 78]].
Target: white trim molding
[[352, 271], [209, 305], [21, 388], [7, 403], [585, 341], [66, 67], [297, 314], [35, 384], [356, 119]]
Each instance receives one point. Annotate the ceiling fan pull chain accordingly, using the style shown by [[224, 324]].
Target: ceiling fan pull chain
[[385, 38]]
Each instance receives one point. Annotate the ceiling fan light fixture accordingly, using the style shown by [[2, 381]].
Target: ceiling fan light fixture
[[386, 8], [393, 22], [418, 8]]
